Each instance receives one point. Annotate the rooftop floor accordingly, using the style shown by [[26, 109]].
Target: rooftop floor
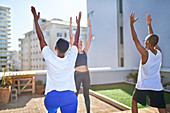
[[27, 103]]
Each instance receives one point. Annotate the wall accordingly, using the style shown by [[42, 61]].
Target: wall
[[160, 14], [103, 49]]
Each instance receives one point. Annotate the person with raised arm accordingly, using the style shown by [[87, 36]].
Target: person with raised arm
[[81, 69], [60, 86], [149, 80]]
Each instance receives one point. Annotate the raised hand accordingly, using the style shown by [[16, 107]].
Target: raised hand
[[78, 30], [70, 20], [36, 17], [70, 32], [38, 29], [132, 19], [79, 18], [148, 19]]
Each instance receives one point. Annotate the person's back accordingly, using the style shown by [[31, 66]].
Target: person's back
[[149, 73], [60, 71]]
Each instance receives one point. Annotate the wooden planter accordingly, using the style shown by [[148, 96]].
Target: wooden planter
[[39, 89], [5, 95]]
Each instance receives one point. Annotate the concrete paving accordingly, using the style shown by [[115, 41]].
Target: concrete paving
[[27, 103]]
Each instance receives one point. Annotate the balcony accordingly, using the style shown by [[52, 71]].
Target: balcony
[[3, 59], [5, 33], [2, 42], [5, 29], [6, 38], [5, 16], [5, 20], [5, 24], [2, 64], [6, 12], [20, 52]]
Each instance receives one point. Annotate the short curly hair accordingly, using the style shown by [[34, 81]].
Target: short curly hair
[[62, 45]]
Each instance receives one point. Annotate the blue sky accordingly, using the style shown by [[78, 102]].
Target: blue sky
[[22, 19]]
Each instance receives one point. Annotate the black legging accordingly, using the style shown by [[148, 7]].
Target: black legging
[[85, 79]]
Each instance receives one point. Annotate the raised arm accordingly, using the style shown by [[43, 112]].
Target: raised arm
[[138, 45], [76, 38], [70, 32], [89, 38], [148, 21], [37, 27], [150, 30]]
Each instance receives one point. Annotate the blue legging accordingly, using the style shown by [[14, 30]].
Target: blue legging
[[66, 100]]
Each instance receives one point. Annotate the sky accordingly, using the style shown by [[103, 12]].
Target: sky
[[22, 19]]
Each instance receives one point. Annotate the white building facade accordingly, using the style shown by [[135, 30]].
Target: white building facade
[[4, 35]]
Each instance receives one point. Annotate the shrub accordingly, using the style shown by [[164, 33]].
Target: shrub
[[39, 82]]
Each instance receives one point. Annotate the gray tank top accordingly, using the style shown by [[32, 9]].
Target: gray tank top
[[81, 59]]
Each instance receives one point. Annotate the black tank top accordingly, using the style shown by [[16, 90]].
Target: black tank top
[[81, 59]]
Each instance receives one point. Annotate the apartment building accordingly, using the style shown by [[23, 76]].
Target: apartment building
[[4, 35], [30, 53], [13, 61]]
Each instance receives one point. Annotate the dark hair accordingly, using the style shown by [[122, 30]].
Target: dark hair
[[62, 45], [153, 39]]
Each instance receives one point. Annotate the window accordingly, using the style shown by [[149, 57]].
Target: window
[[67, 28], [46, 33], [3, 36], [65, 34], [120, 6], [59, 34], [58, 27], [74, 29], [81, 36], [122, 62], [121, 35]]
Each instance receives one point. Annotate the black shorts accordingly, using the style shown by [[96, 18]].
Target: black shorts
[[156, 98]]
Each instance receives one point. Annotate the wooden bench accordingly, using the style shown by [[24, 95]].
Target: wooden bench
[[21, 82]]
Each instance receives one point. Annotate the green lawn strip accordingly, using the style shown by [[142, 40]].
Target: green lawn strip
[[119, 95], [122, 92]]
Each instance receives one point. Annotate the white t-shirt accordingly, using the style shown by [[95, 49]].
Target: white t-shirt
[[60, 71], [149, 73]]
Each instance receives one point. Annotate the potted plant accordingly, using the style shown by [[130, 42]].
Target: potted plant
[[5, 88], [39, 87], [168, 85], [132, 77]]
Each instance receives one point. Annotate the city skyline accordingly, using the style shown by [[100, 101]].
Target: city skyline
[[22, 19]]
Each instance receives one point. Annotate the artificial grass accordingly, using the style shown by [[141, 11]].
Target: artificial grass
[[122, 92]]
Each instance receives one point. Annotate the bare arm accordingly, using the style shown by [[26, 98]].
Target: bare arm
[[89, 38], [138, 45], [37, 27], [76, 38], [148, 21], [70, 32]]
